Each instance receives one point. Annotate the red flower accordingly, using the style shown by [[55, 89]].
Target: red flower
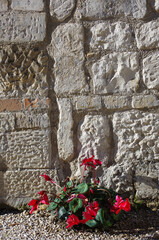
[[91, 212], [33, 203], [72, 220], [47, 178], [120, 205], [91, 162]]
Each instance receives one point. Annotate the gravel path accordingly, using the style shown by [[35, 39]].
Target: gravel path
[[143, 224]]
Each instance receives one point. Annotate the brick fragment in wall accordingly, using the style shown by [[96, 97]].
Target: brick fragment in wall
[[22, 27], [7, 122], [23, 70], [68, 51], [40, 104], [147, 35], [61, 9], [116, 72], [10, 105], [111, 36], [136, 136], [65, 130], [21, 186], [147, 180], [101, 9], [150, 70], [25, 149], [27, 5], [94, 138], [87, 102], [117, 102], [146, 101], [4, 5]]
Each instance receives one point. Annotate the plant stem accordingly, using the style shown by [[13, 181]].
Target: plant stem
[[94, 177], [83, 174]]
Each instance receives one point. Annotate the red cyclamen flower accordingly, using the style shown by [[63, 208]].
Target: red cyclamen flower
[[72, 220], [91, 212], [33, 203], [120, 205], [91, 162]]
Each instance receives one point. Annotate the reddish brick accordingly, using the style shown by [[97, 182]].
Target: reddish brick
[[37, 103], [10, 105]]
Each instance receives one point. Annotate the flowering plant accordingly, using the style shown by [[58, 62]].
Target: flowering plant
[[84, 203]]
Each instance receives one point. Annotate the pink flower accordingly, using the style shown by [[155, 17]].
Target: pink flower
[[72, 220], [33, 203], [91, 212], [91, 162], [120, 205], [71, 197]]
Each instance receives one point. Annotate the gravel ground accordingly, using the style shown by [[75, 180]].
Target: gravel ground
[[141, 224]]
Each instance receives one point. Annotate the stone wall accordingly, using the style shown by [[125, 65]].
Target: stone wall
[[79, 77]]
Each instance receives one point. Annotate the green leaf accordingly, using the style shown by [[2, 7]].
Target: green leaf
[[75, 204], [57, 200], [69, 184], [100, 215], [92, 223], [82, 188], [62, 212], [52, 206]]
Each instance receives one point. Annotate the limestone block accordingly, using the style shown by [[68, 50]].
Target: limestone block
[[23, 70], [111, 36], [68, 51], [7, 122], [27, 5], [150, 71], [87, 102], [94, 138], [21, 186], [25, 149], [27, 120], [157, 5], [22, 27], [146, 101], [116, 72], [136, 8], [136, 136], [147, 35], [61, 9], [117, 102], [65, 130], [4, 5]]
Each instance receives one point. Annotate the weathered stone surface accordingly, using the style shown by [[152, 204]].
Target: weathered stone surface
[[147, 35], [20, 186], [22, 27], [116, 72], [27, 120], [136, 8], [65, 130], [136, 136], [7, 122], [23, 70], [157, 5], [117, 102], [146, 101], [111, 36], [4, 5], [87, 102], [27, 5], [61, 9], [25, 149], [94, 138], [150, 71], [67, 41]]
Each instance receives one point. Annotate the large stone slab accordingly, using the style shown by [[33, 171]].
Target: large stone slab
[[27, 5], [22, 27], [136, 136], [116, 72], [4, 5], [25, 149], [117, 102], [68, 52], [65, 130], [61, 9], [147, 35], [111, 36], [145, 101], [87, 102], [150, 70]]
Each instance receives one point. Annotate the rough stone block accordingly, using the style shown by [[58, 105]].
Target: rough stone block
[[27, 120], [7, 122], [147, 101], [111, 36], [22, 27], [136, 8], [25, 149], [87, 102], [27, 5], [61, 9], [68, 51], [147, 35], [156, 5], [23, 70], [150, 71], [4, 5], [136, 136], [116, 72], [117, 102], [65, 130]]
